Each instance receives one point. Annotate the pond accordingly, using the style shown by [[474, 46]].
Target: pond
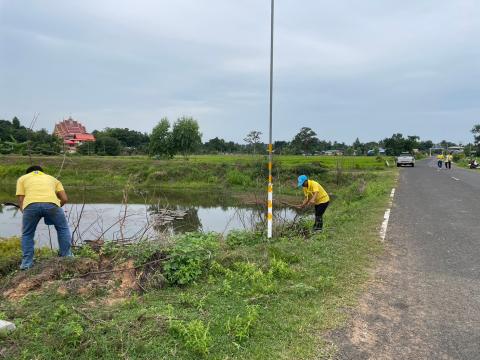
[[169, 214]]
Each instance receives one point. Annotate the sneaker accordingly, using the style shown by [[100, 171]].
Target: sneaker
[[26, 266]]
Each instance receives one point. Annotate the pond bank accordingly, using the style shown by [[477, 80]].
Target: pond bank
[[249, 299]]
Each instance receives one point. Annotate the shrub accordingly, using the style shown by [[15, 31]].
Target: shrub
[[241, 237], [190, 257]]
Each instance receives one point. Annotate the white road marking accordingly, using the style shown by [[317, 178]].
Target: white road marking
[[386, 217], [454, 178]]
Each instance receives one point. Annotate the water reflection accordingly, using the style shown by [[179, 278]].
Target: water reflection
[[116, 221]]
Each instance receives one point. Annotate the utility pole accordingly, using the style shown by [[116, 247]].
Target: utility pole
[[270, 146]]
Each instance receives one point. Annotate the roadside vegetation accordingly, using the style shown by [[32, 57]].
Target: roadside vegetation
[[237, 172], [199, 295]]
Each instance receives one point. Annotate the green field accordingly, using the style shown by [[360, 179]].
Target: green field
[[240, 297], [225, 173]]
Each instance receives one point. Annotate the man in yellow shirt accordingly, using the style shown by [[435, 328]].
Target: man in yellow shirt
[[315, 195], [41, 196], [448, 161], [440, 159]]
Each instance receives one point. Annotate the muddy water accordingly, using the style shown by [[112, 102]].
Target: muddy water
[[112, 221]]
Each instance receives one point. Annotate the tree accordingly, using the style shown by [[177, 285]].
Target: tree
[[130, 139], [161, 140], [306, 141], [186, 136], [106, 145], [425, 145], [476, 136], [215, 145], [280, 147], [16, 123], [253, 139], [397, 144]]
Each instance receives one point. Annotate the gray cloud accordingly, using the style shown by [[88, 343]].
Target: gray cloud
[[344, 68]]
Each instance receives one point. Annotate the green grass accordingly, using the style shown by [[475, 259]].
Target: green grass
[[258, 300], [220, 173], [464, 162], [11, 255]]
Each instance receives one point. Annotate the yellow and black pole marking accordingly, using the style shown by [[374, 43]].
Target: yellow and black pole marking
[[270, 194], [270, 147]]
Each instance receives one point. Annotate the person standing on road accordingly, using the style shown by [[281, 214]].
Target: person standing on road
[[448, 162], [440, 159], [41, 196], [315, 195]]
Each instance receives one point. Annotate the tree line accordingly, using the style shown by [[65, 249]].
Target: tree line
[[183, 137]]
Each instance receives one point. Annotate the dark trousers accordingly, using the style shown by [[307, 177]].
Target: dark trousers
[[440, 163], [448, 164], [319, 211]]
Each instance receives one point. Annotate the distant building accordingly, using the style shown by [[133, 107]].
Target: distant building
[[73, 134], [379, 151], [333, 153], [455, 149]]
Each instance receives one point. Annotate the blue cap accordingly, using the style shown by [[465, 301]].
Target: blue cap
[[301, 180]]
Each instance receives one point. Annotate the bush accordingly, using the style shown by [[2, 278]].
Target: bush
[[241, 237], [190, 257]]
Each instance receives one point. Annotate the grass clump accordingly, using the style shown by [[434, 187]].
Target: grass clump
[[241, 326], [194, 334], [11, 254]]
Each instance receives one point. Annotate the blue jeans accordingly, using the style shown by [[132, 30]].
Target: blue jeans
[[53, 215]]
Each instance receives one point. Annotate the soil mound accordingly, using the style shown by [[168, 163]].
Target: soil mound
[[84, 276]]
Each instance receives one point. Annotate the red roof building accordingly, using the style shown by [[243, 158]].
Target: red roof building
[[73, 134]]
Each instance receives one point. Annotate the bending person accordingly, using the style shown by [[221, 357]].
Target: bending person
[[315, 195], [41, 196]]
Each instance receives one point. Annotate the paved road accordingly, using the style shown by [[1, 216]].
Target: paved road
[[424, 301]]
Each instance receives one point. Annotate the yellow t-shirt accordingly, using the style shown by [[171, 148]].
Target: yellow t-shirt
[[449, 157], [440, 157], [314, 187], [38, 187]]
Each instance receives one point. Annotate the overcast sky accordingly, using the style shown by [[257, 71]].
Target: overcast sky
[[346, 69]]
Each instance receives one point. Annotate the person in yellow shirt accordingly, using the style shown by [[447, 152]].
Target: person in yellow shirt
[[440, 159], [448, 161], [315, 195], [41, 196]]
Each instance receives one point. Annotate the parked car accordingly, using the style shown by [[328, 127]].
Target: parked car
[[405, 159]]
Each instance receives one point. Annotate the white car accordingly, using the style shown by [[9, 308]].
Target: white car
[[405, 159]]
